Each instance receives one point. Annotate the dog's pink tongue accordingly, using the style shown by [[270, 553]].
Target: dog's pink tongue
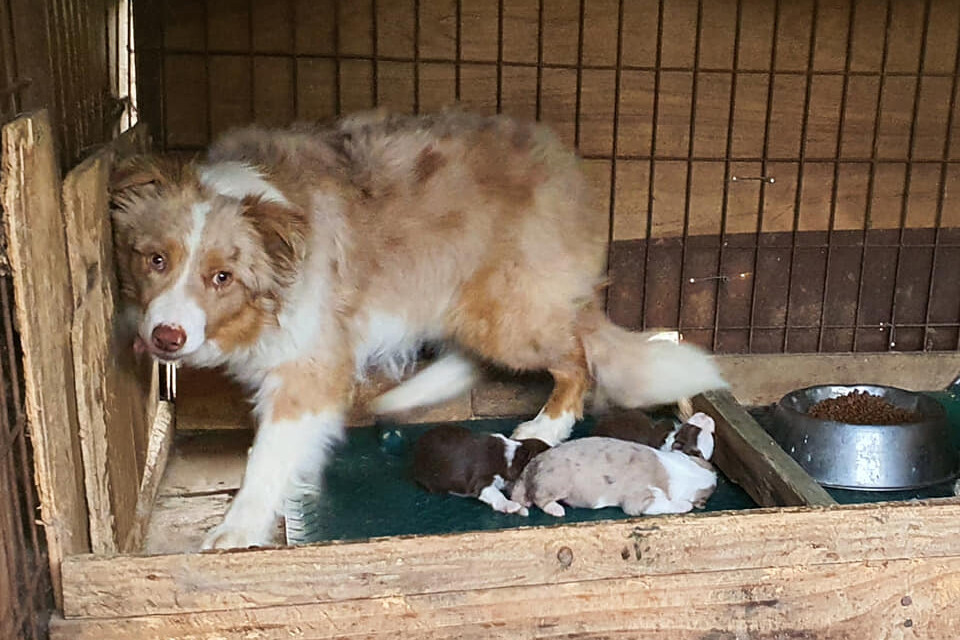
[[139, 346]]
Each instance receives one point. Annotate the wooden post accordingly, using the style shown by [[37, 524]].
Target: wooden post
[[44, 306], [113, 390], [750, 457]]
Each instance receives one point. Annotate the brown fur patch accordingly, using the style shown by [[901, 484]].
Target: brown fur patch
[[429, 161], [283, 230], [478, 311], [310, 388], [148, 174], [502, 172], [570, 385], [450, 222], [240, 329]]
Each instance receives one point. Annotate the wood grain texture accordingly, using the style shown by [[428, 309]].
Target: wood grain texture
[[113, 390], [38, 257], [403, 566], [750, 457], [877, 600], [111, 476]]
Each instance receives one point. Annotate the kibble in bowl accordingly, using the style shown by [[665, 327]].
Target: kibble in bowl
[[862, 407], [866, 437]]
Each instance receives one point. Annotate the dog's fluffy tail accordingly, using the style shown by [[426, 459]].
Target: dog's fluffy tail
[[636, 370], [447, 377]]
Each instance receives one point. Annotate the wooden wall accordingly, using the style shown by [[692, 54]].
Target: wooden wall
[[778, 175]]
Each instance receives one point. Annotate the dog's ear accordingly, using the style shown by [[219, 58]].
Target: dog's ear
[[527, 451], [283, 231], [144, 175]]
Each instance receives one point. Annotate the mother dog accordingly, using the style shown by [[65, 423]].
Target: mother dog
[[300, 258]]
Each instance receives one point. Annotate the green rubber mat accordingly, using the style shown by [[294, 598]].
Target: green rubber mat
[[369, 493]]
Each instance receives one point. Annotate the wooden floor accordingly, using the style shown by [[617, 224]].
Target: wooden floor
[[203, 473]]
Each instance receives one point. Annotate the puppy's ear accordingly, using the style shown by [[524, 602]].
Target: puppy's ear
[[142, 175], [527, 451], [283, 231]]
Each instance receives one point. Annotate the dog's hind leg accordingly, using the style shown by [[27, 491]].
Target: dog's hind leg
[[556, 419]]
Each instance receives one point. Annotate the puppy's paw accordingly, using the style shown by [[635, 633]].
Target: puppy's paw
[[515, 507], [554, 509]]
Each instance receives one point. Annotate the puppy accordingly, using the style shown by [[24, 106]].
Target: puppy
[[452, 459], [633, 425], [300, 259], [604, 472]]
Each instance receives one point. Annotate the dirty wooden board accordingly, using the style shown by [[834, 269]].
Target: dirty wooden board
[[113, 391], [723, 541], [761, 379], [749, 456], [38, 257], [893, 599]]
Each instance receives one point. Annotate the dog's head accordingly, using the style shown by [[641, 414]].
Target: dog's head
[[695, 437], [205, 272]]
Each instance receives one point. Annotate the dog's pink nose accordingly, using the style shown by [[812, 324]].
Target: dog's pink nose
[[168, 339]]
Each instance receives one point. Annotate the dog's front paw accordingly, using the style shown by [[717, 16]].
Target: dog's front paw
[[553, 431], [226, 536], [239, 532]]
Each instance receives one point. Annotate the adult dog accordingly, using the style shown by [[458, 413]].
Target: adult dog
[[299, 258]]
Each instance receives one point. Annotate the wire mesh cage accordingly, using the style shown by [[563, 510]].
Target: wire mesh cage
[[777, 175]]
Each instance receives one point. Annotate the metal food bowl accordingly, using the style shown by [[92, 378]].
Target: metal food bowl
[[867, 457]]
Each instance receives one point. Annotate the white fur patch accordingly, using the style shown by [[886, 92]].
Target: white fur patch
[[175, 306], [387, 344], [239, 180], [553, 431], [509, 448], [287, 459], [447, 377], [493, 496]]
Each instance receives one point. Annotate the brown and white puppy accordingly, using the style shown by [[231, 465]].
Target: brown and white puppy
[[605, 472], [299, 259], [453, 459], [633, 425]]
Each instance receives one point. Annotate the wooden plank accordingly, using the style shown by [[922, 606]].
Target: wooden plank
[[750, 457], [850, 600], [38, 257], [113, 390], [179, 524], [761, 379], [123, 586], [106, 438]]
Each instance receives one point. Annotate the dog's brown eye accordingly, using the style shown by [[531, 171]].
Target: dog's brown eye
[[222, 278], [158, 262]]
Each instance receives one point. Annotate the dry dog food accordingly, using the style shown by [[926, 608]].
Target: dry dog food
[[860, 407]]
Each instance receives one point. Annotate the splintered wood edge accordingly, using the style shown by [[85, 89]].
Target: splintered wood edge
[[123, 586], [751, 458], [158, 453]]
